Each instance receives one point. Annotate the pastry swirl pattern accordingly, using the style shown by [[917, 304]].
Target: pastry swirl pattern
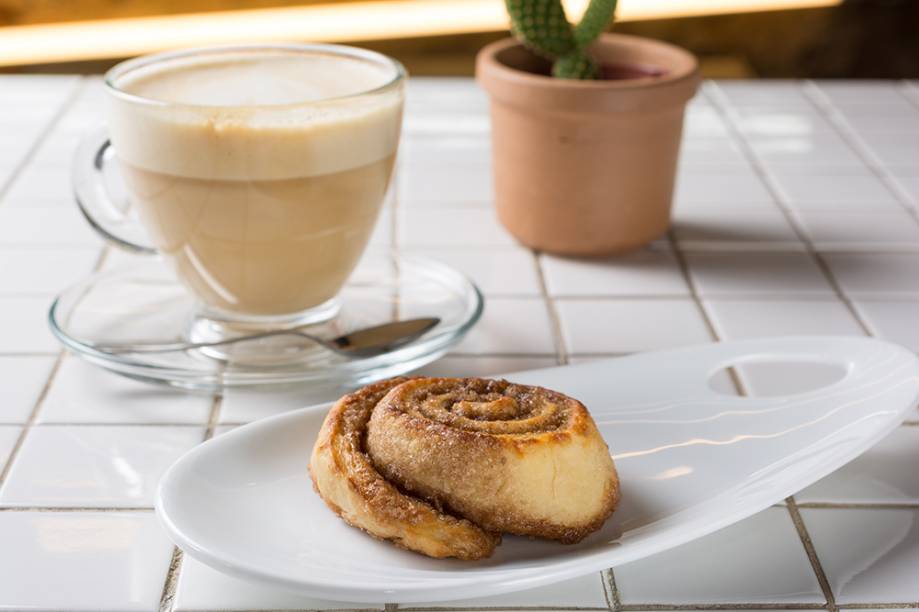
[[442, 466]]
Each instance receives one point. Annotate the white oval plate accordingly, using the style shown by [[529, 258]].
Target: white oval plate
[[691, 461]]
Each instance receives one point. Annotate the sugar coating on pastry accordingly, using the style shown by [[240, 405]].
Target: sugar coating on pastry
[[511, 458], [442, 465], [345, 478]]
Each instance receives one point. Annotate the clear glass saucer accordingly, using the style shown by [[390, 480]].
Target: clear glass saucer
[[143, 303]]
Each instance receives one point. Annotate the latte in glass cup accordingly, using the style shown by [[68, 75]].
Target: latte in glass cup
[[259, 172]]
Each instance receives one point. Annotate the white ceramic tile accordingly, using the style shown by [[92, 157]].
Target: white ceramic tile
[[445, 94], [447, 170], [721, 153], [870, 120], [202, 588], [861, 91], [783, 378], [895, 107], [241, 405], [8, 436], [498, 271], [759, 560], [452, 228], [738, 319], [876, 274], [483, 366], [868, 555], [829, 170], [24, 326], [885, 473], [910, 169], [54, 227], [440, 123], [626, 326], [516, 326], [857, 231], [583, 592], [758, 121], [94, 466], [816, 149], [83, 393], [894, 321], [747, 319], [756, 274], [82, 561], [21, 382], [438, 185], [704, 122], [711, 229], [41, 186], [445, 106], [24, 90], [645, 272], [44, 271], [727, 190], [54, 156], [764, 92], [910, 185], [894, 148], [835, 192], [382, 235]]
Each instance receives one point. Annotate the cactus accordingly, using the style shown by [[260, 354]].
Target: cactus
[[542, 26]]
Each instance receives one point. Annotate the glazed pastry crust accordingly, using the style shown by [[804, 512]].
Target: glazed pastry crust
[[441, 466], [511, 458], [347, 481]]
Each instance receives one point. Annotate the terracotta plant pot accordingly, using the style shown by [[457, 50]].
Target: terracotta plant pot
[[587, 167]]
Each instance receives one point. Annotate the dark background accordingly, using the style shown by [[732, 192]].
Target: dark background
[[857, 39]]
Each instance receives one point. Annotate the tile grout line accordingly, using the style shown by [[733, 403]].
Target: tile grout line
[[652, 607], [759, 167], [49, 127], [494, 608], [111, 424], [683, 264], [213, 419], [811, 552], [875, 165], [850, 136], [62, 509], [171, 582], [611, 590], [59, 359], [858, 505], [555, 321], [30, 421], [880, 606], [167, 598]]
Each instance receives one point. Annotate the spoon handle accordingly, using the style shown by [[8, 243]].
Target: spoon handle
[[189, 346]]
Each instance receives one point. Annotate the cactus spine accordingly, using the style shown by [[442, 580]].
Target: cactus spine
[[542, 26]]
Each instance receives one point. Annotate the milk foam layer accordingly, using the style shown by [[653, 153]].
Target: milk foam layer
[[256, 116]]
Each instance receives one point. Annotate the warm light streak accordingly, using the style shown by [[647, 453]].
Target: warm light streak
[[373, 20]]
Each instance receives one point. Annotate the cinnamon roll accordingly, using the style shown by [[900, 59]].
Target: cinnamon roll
[[442, 465]]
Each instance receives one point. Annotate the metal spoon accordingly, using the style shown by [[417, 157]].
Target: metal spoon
[[366, 342]]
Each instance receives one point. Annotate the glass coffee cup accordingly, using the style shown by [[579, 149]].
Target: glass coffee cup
[[258, 173]]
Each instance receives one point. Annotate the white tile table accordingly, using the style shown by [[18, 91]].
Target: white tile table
[[797, 211]]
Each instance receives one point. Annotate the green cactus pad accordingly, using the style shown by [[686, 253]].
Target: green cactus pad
[[594, 21], [541, 25], [575, 65]]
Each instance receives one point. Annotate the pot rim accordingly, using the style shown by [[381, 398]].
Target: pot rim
[[685, 70]]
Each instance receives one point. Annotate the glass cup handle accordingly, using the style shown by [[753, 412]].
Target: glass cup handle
[[108, 217]]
